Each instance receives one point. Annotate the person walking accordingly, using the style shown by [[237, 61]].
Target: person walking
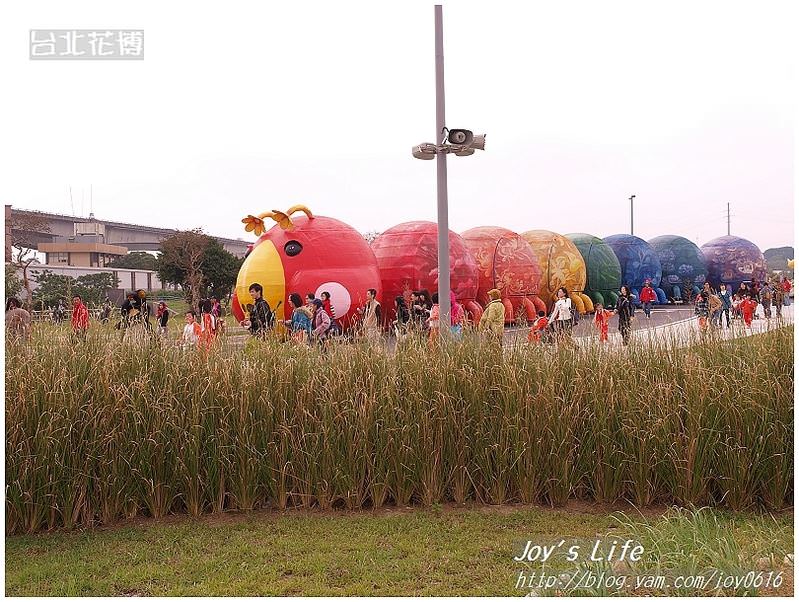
[[433, 322], [18, 321], [766, 295], [493, 319], [457, 316], [192, 331], [786, 289], [561, 316], [261, 318], [779, 299], [327, 306], [219, 315], [538, 328], [702, 310], [648, 297], [743, 291], [127, 311], [321, 322], [145, 311], [602, 321], [726, 303], [372, 314], [624, 309], [714, 309], [748, 307], [80, 318], [300, 323], [162, 318], [105, 314], [208, 323], [420, 313], [403, 317]]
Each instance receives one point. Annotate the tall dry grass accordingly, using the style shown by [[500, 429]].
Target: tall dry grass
[[100, 431]]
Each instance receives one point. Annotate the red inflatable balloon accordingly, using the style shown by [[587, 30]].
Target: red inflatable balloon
[[407, 256], [506, 262]]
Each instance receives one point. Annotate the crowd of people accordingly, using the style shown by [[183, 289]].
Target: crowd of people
[[313, 320], [715, 308]]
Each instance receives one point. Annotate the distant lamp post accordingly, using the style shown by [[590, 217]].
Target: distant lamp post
[[631, 215], [459, 142]]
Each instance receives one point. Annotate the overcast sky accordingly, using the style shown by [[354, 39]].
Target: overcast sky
[[249, 106]]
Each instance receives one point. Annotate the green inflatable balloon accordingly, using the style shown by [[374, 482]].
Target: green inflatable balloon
[[602, 267]]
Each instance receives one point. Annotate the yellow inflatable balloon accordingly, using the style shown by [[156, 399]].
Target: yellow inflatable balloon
[[561, 264]]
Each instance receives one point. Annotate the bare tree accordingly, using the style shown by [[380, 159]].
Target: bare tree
[[181, 261], [24, 229], [370, 236]]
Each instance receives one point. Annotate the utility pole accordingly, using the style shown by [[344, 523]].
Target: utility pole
[[631, 215], [728, 219], [441, 172]]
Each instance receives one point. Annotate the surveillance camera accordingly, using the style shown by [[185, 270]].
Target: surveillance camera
[[479, 142], [462, 137], [424, 151]]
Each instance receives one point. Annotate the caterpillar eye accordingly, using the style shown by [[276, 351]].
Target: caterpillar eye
[[292, 248]]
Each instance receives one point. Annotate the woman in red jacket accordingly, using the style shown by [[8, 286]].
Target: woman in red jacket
[[648, 297]]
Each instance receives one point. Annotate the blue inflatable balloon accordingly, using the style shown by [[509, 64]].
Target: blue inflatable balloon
[[682, 264], [638, 260]]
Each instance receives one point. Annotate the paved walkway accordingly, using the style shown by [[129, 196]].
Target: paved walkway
[[683, 327]]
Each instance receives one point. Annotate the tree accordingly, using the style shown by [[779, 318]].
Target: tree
[[52, 287], [137, 260], [24, 227], [220, 269], [13, 282], [370, 236], [92, 288], [199, 264], [181, 261]]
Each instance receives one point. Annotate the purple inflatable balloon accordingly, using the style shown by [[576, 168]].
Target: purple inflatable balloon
[[732, 260]]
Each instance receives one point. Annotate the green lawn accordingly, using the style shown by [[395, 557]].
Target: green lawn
[[440, 551]]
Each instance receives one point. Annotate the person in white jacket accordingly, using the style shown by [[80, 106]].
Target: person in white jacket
[[561, 317]]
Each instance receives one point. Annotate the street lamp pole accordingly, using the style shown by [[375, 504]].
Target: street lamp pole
[[441, 173], [631, 215]]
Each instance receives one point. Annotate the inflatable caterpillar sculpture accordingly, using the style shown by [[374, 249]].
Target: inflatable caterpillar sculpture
[[312, 254]]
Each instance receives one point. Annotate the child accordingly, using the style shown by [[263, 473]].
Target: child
[[601, 319], [702, 310], [191, 331], [162, 317], [748, 307], [538, 328], [328, 308], [208, 322], [736, 306], [432, 321]]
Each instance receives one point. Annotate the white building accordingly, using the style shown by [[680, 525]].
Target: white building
[[129, 280]]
